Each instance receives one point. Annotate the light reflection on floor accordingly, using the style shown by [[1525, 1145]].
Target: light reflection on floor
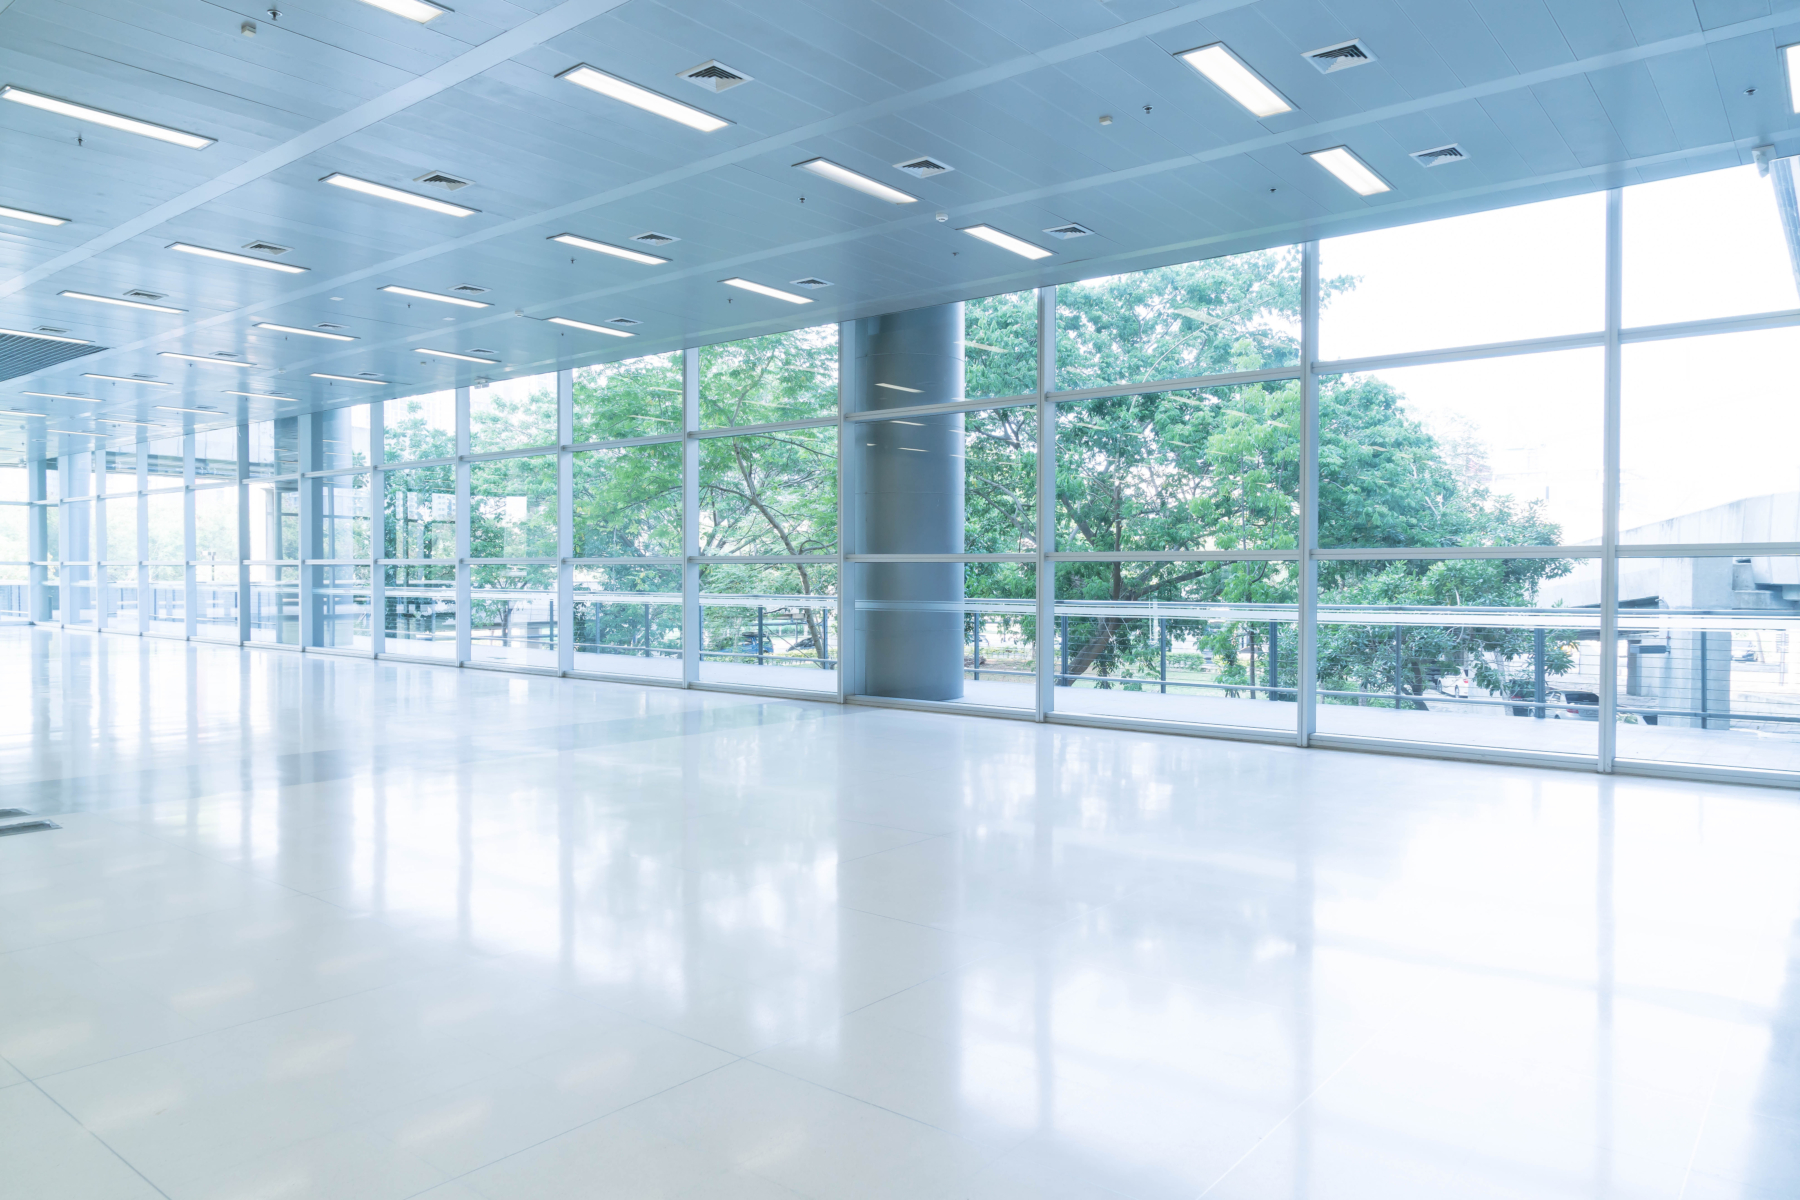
[[321, 927]]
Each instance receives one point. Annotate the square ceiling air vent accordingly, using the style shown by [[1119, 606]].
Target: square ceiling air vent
[[266, 248], [654, 239], [713, 75], [1341, 57], [441, 179], [811, 281], [1439, 155], [49, 329], [143, 294], [479, 350], [329, 325], [1071, 230], [468, 289], [924, 168], [623, 321], [369, 374]]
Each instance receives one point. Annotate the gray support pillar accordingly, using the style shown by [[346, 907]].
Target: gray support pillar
[[910, 501]]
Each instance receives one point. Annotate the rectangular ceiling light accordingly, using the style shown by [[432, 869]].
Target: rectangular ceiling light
[[1007, 241], [649, 101], [382, 191], [762, 290], [574, 324], [318, 333], [162, 308], [19, 214], [123, 421], [1351, 171], [211, 412], [413, 10], [349, 379], [244, 260], [62, 396], [205, 359], [124, 379], [824, 168], [636, 256], [492, 362], [99, 116], [1790, 56], [76, 432], [261, 395], [1228, 73], [46, 337], [416, 294], [19, 412]]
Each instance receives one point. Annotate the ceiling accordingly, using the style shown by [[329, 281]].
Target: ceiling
[[1546, 98]]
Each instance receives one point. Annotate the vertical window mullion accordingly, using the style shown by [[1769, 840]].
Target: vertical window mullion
[[377, 529], [465, 612], [848, 386], [691, 625], [243, 530], [1306, 659], [565, 520], [1046, 504], [190, 449], [308, 490], [143, 537], [1609, 483]]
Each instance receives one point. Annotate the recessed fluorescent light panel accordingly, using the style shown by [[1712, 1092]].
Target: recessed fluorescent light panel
[[243, 260], [62, 396], [610, 85], [45, 337], [826, 169], [1227, 72], [211, 412], [260, 395], [349, 379], [416, 294], [382, 191], [19, 214], [764, 290], [1790, 55], [123, 421], [413, 10], [492, 362], [124, 379], [205, 359], [161, 308], [100, 116], [19, 412], [636, 256], [1007, 241], [76, 432], [318, 333], [1351, 171], [573, 324]]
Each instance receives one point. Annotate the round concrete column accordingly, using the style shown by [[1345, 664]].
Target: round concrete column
[[910, 501]]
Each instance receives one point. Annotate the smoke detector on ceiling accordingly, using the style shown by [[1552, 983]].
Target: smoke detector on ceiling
[[1439, 155], [266, 247], [654, 239], [924, 168], [1341, 57], [713, 75], [811, 281], [1071, 230], [441, 179]]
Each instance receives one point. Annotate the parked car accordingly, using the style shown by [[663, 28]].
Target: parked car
[[1575, 706]]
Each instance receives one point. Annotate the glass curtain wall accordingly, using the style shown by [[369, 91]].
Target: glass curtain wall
[[1325, 494]]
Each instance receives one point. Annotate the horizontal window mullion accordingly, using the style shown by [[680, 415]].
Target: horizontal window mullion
[[1290, 555], [1186, 383], [728, 559], [331, 562], [626, 562], [499, 455], [451, 461], [1418, 358], [516, 562], [948, 406], [1783, 319], [1710, 550], [934, 558], [772, 427], [1383, 553], [649, 439]]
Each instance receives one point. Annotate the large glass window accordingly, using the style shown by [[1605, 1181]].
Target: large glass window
[[419, 514], [995, 453], [1000, 345], [1240, 313], [628, 502], [984, 613], [274, 447], [419, 427], [513, 414], [1708, 245], [769, 494], [778, 377], [769, 626], [513, 614], [640, 397], [420, 611], [343, 502], [216, 527], [341, 438], [512, 510], [168, 527], [627, 621]]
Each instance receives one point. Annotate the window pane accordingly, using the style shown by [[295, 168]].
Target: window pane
[[1000, 345], [1496, 452], [514, 615], [275, 605], [1213, 643], [215, 455], [635, 398], [15, 544], [15, 593], [341, 438], [274, 447], [419, 427], [421, 611], [1536, 270], [274, 521], [628, 621], [343, 502], [1492, 652], [513, 508], [769, 494], [216, 602], [513, 414], [985, 503], [981, 615], [168, 536], [1240, 313], [420, 514], [14, 483], [1194, 470], [1706, 245], [1707, 660], [118, 599], [342, 605], [167, 463], [216, 526], [778, 377], [628, 502], [51, 515], [168, 600], [769, 626], [1708, 430], [121, 472]]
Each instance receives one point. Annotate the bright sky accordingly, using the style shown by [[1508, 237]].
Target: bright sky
[[1705, 420]]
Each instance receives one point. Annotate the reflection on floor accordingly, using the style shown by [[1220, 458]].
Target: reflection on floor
[[321, 927]]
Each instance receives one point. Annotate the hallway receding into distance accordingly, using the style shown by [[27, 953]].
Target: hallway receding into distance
[[318, 925]]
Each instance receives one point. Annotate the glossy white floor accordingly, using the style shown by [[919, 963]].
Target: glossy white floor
[[320, 927]]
